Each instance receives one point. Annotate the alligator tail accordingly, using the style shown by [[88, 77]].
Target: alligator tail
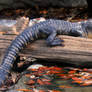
[[16, 46]]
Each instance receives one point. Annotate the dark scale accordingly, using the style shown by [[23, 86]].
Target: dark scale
[[50, 28]]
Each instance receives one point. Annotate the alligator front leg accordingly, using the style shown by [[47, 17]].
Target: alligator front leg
[[52, 40]]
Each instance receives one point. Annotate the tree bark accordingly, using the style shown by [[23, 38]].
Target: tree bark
[[76, 50]]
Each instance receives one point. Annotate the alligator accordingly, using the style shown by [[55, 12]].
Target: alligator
[[50, 28]]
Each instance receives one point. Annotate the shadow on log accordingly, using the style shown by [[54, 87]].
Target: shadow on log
[[76, 50]]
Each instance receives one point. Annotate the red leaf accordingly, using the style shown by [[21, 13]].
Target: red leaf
[[40, 82]]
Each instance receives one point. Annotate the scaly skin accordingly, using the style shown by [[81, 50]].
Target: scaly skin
[[50, 28]]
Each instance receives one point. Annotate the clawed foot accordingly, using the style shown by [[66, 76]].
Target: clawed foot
[[56, 42]]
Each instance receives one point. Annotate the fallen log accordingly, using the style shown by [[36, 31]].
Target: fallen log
[[76, 50]]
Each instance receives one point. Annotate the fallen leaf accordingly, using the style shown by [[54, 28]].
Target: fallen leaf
[[76, 79], [40, 82], [72, 72], [26, 90], [63, 86]]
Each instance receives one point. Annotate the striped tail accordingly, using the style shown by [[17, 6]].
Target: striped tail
[[18, 44]]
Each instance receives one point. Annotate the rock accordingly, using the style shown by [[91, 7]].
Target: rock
[[4, 4]]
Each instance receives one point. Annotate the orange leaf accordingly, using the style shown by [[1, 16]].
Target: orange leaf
[[42, 91], [61, 75], [63, 86], [40, 82], [32, 69], [18, 11], [43, 12], [54, 72], [45, 79], [77, 82], [43, 68], [73, 71], [26, 90], [2, 32], [56, 68], [65, 76], [77, 79]]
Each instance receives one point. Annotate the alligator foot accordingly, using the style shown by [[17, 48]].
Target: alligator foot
[[56, 42]]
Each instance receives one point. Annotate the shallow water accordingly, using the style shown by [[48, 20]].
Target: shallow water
[[58, 79]]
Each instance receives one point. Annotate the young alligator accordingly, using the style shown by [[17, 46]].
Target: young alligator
[[49, 27]]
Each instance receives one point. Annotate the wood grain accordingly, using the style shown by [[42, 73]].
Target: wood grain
[[76, 50]]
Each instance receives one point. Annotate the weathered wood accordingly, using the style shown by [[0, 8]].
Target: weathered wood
[[76, 50]]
